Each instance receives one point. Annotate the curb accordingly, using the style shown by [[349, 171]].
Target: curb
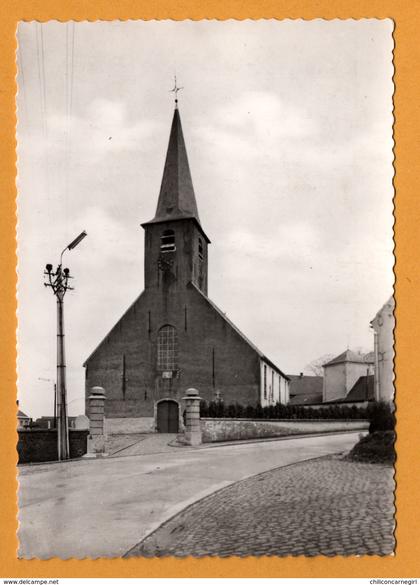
[[264, 439]]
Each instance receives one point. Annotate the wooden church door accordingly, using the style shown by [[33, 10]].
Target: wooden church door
[[167, 417]]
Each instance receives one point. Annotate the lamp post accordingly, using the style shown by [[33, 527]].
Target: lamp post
[[55, 400], [58, 281]]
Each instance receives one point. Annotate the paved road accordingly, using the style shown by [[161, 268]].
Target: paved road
[[320, 507], [95, 508]]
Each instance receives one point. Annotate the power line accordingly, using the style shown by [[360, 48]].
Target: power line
[[40, 55], [22, 76], [44, 79], [69, 77], [38, 62], [72, 69]]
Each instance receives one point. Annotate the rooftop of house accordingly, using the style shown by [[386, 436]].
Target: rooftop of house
[[362, 390], [300, 399], [305, 389], [301, 384], [351, 356], [21, 414]]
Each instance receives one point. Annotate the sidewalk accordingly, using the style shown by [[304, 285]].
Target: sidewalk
[[165, 443]]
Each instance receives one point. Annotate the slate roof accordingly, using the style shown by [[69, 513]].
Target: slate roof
[[176, 198], [305, 384], [299, 399], [362, 390], [21, 414], [350, 356]]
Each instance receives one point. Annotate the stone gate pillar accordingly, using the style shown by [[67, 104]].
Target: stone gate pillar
[[192, 417], [96, 439]]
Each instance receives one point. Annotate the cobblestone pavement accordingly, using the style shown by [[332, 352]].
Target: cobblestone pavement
[[328, 506]]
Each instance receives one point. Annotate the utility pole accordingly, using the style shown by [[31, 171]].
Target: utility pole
[[58, 281]]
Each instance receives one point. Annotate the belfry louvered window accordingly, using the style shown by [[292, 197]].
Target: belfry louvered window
[[200, 249], [167, 349], [167, 241]]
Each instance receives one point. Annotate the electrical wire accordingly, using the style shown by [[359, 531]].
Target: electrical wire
[[40, 54], [21, 74], [69, 82]]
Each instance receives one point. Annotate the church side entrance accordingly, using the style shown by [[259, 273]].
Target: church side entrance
[[167, 416]]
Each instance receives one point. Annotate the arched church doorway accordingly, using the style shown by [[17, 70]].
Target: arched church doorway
[[167, 416]]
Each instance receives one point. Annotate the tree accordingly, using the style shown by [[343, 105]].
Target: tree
[[314, 368]]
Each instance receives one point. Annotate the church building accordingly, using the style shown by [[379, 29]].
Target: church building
[[173, 337]]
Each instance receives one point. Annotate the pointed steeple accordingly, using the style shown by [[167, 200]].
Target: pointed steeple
[[176, 198]]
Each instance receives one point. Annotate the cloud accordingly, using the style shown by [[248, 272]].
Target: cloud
[[256, 122], [104, 131], [294, 238]]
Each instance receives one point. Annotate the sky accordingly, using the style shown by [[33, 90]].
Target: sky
[[288, 129]]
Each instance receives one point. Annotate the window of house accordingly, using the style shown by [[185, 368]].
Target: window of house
[[265, 382], [200, 249], [167, 348], [167, 241], [272, 387]]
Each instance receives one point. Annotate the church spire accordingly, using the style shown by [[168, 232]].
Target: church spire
[[175, 91], [176, 198]]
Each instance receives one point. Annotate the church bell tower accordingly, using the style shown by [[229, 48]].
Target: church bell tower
[[175, 243]]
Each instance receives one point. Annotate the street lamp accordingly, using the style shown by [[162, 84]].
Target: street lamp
[[58, 281], [55, 399]]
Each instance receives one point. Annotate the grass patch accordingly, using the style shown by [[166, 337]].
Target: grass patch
[[376, 447]]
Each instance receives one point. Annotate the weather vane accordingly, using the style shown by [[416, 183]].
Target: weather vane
[[175, 90]]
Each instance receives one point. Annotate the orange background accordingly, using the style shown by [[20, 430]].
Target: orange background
[[405, 14]]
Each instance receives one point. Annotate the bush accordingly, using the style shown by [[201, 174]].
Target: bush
[[377, 447], [381, 417], [249, 411], [281, 411]]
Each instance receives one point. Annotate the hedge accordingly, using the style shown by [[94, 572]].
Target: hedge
[[379, 413]]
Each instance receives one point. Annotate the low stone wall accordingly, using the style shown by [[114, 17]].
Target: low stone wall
[[127, 426], [39, 445], [234, 429]]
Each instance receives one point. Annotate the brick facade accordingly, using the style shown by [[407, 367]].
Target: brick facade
[[212, 356], [173, 337]]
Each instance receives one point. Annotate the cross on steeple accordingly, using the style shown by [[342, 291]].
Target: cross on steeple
[[175, 90]]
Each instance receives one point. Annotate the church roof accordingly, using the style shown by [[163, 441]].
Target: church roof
[[101, 343], [176, 197], [244, 337]]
